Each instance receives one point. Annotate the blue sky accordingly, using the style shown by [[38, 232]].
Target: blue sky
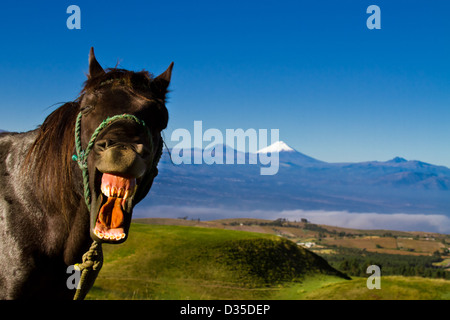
[[336, 90]]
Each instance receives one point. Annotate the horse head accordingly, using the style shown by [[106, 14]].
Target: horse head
[[118, 138]]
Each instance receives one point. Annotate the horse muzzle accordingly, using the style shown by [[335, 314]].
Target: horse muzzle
[[119, 168], [122, 159]]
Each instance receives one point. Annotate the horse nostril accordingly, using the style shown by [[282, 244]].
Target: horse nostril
[[124, 147], [102, 145]]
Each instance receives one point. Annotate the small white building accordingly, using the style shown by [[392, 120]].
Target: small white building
[[306, 244]]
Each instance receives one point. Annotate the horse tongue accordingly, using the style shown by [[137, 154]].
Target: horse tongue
[[117, 214], [111, 214]]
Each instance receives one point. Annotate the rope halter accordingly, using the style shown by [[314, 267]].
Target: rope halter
[[81, 155]]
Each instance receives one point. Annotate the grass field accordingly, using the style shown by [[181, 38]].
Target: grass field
[[392, 288], [181, 262], [388, 245]]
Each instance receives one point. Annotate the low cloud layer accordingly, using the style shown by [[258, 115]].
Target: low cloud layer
[[396, 221]]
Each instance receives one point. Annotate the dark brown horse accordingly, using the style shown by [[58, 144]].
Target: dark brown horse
[[52, 207]]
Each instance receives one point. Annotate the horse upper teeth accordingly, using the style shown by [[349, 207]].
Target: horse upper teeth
[[105, 190], [113, 191], [117, 186]]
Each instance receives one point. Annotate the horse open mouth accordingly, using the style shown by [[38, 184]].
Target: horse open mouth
[[115, 208]]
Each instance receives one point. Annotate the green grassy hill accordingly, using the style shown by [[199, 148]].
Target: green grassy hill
[[177, 262], [183, 262]]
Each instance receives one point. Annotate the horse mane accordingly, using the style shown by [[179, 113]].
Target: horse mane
[[50, 157]]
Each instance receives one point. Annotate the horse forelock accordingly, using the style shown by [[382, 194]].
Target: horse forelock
[[114, 76]]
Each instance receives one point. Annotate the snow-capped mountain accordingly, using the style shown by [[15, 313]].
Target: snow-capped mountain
[[278, 146], [289, 156], [304, 183]]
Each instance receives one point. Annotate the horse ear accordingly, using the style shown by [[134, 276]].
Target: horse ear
[[95, 69], [161, 82]]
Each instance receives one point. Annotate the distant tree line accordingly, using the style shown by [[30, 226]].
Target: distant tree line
[[280, 222], [354, 262], [323, 232]]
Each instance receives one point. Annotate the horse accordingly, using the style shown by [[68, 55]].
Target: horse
[[77, 177]]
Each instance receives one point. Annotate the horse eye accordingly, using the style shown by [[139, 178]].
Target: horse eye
[[86, 109]]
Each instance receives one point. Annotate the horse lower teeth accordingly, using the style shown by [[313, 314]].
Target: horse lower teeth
[[109, 236]]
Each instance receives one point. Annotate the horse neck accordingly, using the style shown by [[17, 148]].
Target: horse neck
[[58, 233]]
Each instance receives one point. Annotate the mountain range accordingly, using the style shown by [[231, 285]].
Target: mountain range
[[413, 193], [302, 182]]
